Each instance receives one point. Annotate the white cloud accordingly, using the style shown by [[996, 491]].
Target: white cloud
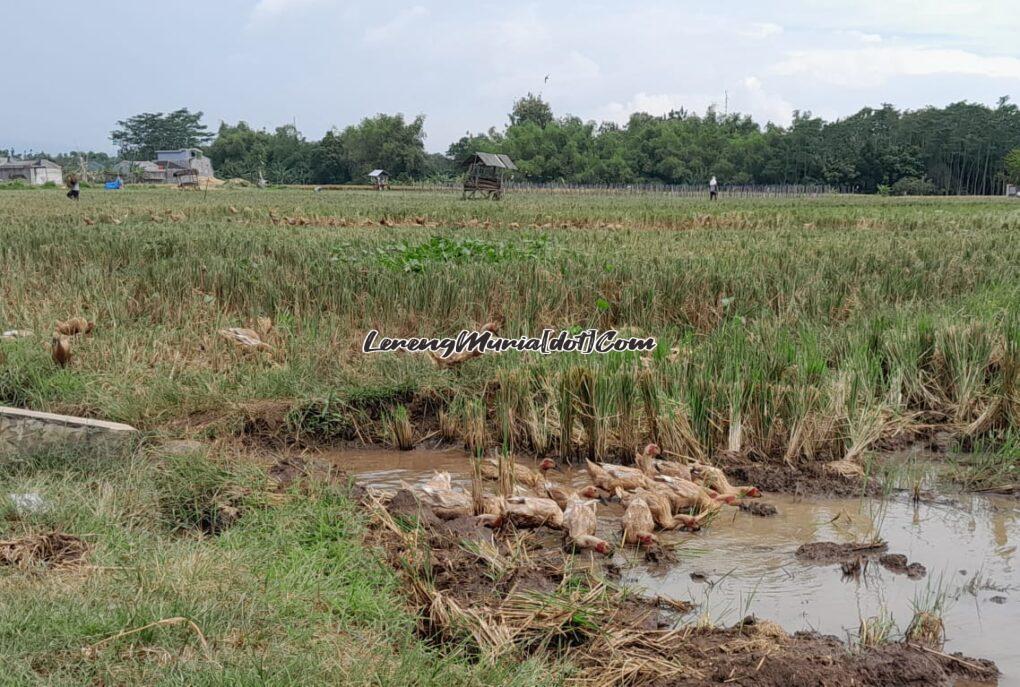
[[764, 106], [862, 36], [657, 104], [748, 97], [760, 30], [396, 26], [268, 10], [873, 66]]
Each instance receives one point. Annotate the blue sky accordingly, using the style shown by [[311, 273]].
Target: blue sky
[[81, 66]]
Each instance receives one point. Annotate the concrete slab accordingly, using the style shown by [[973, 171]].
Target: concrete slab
[[29, 431]]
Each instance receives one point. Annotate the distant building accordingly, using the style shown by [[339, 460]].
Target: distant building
[[186, 158], [182, 167], [1013, 191], [141, 171], [34, 172]]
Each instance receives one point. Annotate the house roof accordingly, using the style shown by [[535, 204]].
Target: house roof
[[378, 172], [11, 163], [490, 159], [132, 165]]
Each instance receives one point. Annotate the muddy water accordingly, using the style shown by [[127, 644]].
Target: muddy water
[[746, 564]]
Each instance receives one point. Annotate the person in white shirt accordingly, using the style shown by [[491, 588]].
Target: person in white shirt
[[713, 189]]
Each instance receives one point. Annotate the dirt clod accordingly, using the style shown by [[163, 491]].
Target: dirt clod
[[827, 552], [897, 563], [759, 508]]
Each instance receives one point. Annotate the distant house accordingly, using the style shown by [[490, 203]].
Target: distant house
[[380, 179], [140, 171], [34, 172], [183, 167], [186, 158]]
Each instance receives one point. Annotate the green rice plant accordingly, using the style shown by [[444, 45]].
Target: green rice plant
[[926, 626], [401, 431], [876, 630]]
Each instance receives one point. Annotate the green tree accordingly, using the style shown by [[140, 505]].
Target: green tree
[[1012, 164], [139, 137], [388, 142], [282, 157], [531, 108]]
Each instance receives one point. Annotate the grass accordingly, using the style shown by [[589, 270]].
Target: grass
[[287, 594], [800, 330]]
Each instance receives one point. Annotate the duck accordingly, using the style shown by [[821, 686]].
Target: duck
[[60, 349], [563, 495], [662, 510], [580, 522], [446, 502], [522, 473], [245, 338], [650, 463], [490, 514], [74, 326], [714, 478], [529, 512], [638, 524], [685, 495], [609, 477]]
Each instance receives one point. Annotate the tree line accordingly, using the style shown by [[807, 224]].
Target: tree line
[[962, 148]]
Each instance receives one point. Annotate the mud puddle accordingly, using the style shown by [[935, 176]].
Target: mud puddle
[[745, 564]]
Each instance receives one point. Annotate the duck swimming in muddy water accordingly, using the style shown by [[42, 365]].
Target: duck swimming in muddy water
[[609, 477], [522, 473], [686, 495], [650, 463], [563, 495], [662, 511], [580, 522], [638, 524], [715, 479]]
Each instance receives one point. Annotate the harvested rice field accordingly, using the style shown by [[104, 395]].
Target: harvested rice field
[[812, 476]]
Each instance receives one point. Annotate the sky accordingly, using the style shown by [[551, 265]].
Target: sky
[[72, 69]]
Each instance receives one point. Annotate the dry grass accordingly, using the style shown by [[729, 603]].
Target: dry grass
[[50, 549]]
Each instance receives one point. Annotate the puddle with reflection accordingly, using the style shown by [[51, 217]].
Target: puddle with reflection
[[746, 564]]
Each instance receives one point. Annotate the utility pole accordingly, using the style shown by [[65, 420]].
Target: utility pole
[[726, 103]]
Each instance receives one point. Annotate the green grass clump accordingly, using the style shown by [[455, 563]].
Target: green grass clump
[[290, 594]]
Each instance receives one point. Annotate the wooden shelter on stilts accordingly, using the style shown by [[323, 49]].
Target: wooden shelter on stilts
[[486, 175]]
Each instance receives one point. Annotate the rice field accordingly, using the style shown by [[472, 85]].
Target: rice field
[[791, 334], [794, 330]]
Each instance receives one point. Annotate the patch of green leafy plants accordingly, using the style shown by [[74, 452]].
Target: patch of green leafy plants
[[418, 257]]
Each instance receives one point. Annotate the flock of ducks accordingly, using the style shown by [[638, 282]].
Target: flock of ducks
[[65, 331], [656, 494]]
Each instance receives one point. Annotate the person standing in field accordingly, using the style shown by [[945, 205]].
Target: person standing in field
[[72, 182], [713, 189]]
